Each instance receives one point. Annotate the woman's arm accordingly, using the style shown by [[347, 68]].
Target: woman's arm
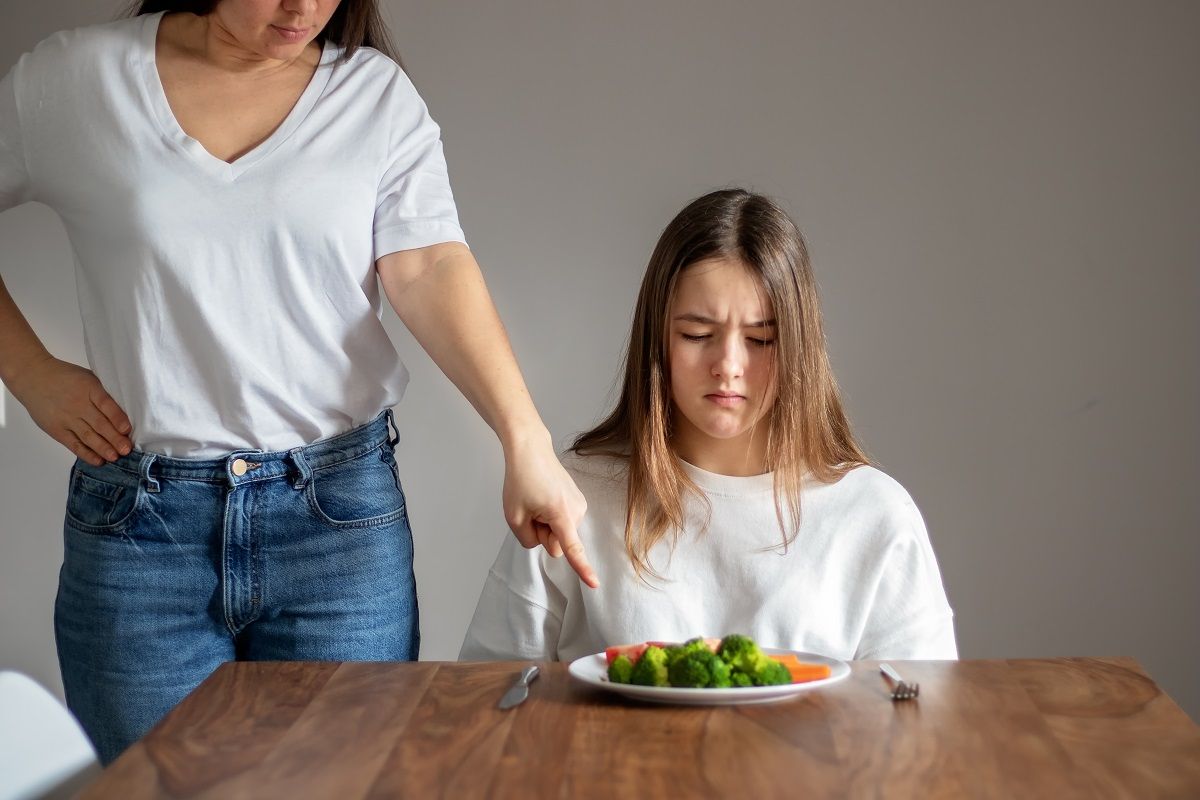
[[440, 295], [65, 400]]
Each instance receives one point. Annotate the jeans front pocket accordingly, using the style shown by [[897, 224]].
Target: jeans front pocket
[[359, 493], [102, 499]]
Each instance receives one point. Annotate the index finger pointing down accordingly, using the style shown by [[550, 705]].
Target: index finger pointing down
[[576, 556]]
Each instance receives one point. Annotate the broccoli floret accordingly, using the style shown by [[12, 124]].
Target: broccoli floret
[[678, 651], [722, 675], [749, 664], [733, 643], [694, 670], [674, 653], [651, 668], [741, 653], [620, 670], [772, 673]]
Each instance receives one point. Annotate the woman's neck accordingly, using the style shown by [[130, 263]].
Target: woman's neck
[[206, 40]]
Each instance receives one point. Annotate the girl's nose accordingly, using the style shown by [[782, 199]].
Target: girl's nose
[[731, 361]]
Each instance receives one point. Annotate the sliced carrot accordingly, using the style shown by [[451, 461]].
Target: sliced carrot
[[802, 671], [809, 672]]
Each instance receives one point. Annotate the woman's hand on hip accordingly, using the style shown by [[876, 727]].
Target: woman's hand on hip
[[68, 402], [544, 506]]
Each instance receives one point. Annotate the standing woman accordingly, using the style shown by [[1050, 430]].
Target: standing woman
[[233, 176]]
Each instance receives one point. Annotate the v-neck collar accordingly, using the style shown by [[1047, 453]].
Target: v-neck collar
[[192, 148]]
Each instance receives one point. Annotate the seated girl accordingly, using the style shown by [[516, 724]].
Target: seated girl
[[726, 492]]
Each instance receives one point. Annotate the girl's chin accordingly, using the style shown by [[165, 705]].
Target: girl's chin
[[723, 432], [719, 424]]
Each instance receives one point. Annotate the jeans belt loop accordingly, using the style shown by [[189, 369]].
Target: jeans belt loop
[[148, 481], [303, 470], [393, 433]]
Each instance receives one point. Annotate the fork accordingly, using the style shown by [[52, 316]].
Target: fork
[[902, 690]]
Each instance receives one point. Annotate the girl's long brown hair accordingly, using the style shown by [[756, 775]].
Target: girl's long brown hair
[[355, 23], [807, 426]]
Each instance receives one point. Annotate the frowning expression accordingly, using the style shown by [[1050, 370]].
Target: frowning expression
[[721, 354]]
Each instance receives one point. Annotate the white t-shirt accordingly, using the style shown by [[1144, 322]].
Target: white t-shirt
[[227, 306], [859, 582]]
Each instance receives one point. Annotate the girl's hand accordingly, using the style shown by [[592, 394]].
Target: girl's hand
[[68, 402], [543, 506]]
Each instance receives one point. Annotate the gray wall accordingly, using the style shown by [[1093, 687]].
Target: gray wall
[[1002, 203]]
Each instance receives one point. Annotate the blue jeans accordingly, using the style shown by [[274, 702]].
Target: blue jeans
[[173, 566]]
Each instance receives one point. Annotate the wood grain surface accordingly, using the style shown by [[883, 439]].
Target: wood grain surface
[[1055, 728]]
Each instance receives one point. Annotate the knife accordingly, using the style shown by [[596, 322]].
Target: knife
[[520, 690]]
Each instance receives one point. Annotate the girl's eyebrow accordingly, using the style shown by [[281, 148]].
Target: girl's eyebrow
[[702, 320]]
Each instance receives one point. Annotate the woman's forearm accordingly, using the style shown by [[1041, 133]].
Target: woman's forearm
[[440, 295], [20, 348]]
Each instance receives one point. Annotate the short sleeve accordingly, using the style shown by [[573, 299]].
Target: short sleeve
[[15, 183], [909, 617], [415, 206]]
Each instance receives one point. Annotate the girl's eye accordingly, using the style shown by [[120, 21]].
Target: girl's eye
[[695, 337], [762, 342]]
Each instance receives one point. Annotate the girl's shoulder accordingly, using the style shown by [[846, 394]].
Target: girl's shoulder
[[867, 491], [603, 479], [600, 468], [867, 481]]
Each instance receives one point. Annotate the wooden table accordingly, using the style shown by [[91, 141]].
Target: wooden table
[[1056, 728]]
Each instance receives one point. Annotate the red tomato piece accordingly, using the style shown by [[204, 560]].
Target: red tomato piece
[[632, 651]]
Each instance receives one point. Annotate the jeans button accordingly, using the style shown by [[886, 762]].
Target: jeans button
[[238, 467]]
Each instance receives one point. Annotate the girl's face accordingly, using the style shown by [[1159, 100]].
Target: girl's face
[[276, 29], [721, 356]]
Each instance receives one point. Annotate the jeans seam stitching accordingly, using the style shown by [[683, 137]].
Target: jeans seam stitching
[[120, 526], [349, 459], [370, 522], [225, 565]]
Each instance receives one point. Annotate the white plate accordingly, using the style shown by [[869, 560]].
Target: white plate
[[593, 670]]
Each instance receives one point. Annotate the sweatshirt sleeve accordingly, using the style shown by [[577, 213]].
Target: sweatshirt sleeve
[[15, 184], [520, 610], [909, 617]]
